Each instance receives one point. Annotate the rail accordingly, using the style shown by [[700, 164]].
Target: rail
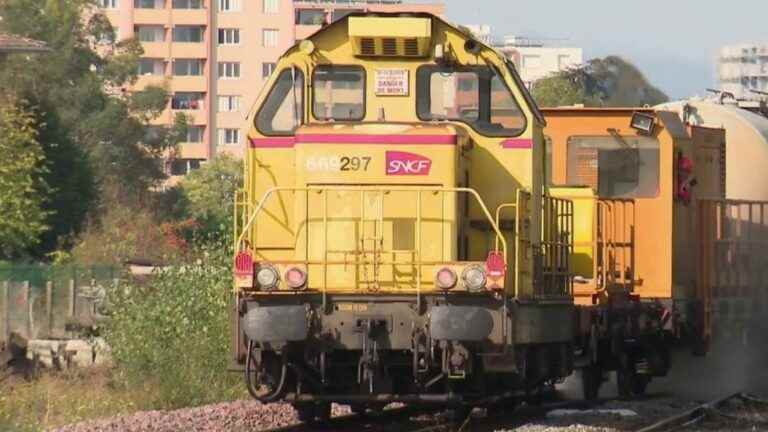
[[249, 227]]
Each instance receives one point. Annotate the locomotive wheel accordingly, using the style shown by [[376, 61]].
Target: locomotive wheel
[[591, 380], [265, 381]]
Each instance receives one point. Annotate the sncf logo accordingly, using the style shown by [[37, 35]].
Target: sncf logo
[[404, 163]]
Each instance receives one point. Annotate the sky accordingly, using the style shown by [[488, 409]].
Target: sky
[[674, 42]]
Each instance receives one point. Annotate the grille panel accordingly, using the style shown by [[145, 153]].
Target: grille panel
[[411, 47], [389, 46], [367, 46]]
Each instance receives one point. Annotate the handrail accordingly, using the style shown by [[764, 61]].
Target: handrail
[[419, 189]]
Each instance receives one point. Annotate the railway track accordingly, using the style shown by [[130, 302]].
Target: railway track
[[412, 419], [717, 412]]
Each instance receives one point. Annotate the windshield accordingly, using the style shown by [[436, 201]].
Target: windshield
[[474, 95]]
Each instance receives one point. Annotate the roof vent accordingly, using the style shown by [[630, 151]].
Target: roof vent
[[367, 46], [411, 47], [399, 36], [389, 46]]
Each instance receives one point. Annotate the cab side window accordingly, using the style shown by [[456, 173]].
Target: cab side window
[[283, 109]]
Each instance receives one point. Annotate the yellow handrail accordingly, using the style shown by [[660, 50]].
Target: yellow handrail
[[418, 189]]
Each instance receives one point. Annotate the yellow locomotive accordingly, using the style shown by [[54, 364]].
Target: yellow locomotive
[[394, 241]]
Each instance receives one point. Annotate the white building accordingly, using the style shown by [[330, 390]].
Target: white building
[[742, 68], [533, 58], [536, 59], [482, 32]]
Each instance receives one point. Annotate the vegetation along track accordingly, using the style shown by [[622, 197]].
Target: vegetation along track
[[733, 412]]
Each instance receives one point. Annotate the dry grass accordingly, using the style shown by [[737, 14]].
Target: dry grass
[[57, 398]]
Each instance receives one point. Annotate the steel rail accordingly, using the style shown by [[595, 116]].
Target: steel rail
[[694, 415]]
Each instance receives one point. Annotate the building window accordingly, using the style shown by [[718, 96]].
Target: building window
[[230, 70], [108, 4], [229, 136], [310, 16], [187, 4], [149, 66], [194, 134], [267, 69], [563, 61], [229, 36], [187, 101], [270, 37], [229, 5], [271, 6], [149, 4], [109, 37], [188, 33], [229, 103], [188, 67], [181, 167], [150, 33]]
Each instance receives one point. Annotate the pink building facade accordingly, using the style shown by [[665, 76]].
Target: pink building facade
[[214, 56]]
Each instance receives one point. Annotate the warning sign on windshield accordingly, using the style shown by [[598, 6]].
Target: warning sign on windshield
[[391, 82]]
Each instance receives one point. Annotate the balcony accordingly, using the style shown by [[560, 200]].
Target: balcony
[[189, 84], [189, 50], [150, 80], [151, 16], [155, 50], [303, 31], [190, 16], [192, 151]]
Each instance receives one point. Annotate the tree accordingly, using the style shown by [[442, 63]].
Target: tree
[[99, 148], [210, 192], [22, 186], [611, 82]]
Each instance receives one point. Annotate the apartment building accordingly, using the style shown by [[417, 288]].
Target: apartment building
[[743, 70], [215, 55], [533, 58], [537, 58]]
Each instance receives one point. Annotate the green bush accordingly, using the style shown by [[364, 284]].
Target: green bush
[[174, 331]]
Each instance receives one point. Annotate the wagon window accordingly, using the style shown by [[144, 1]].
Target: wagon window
[[282, 111], [616, 166], [473, 95], [338, 93]]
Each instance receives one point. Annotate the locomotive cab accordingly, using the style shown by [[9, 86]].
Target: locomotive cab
[[393, 241]]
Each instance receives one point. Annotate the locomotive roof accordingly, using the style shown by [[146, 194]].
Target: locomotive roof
[[529, 101]]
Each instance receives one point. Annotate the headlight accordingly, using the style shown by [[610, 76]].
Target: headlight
[[295, 278], [474, 278], [267, 277], [445, 278]]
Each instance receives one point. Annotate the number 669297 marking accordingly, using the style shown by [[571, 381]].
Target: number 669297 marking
[[355, 163]]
